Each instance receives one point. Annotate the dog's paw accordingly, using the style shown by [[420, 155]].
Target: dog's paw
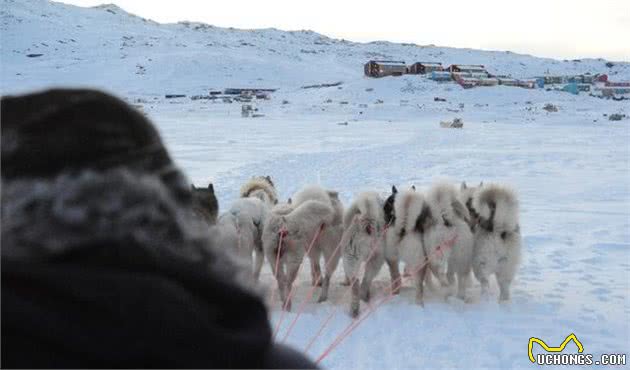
[[365, 295], [354, 311], [420, 302]]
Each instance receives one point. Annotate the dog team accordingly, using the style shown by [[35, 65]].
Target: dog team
[[443, 233]]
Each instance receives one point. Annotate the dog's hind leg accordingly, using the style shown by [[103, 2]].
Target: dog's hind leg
[[394, 273], [372, 268], [292, 270], [351, 266], [258, 263], [316, 271], [331, 261], [420, 274], [355, 302], [504, 279], [450, 274]]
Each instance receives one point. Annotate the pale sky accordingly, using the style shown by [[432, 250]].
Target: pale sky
[[552, 28]]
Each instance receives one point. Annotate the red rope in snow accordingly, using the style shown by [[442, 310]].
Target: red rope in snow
[[308, 251], [352, 281], [353, 325]]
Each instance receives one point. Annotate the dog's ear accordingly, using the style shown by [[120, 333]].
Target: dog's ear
[[413, 187], [333, 194], [289, 201], [211, 187], [394, 190], [192, 187], [463, 187]]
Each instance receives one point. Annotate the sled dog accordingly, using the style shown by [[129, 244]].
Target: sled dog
[[450, 219], [241, 227], [497, 248], [363, 241], [205, 204]]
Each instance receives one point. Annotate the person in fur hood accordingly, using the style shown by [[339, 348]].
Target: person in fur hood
[[104, 265]]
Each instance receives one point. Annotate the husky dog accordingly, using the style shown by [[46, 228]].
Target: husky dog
[[466, 196], [411, 216], [297, 225], [450, 219], [497, 248], [328, 239], [363, 241], [205, 204], [241, 227], [260, 187]]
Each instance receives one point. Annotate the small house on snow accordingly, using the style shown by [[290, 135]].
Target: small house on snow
[[382, 68], [467, 68], [421, 68]]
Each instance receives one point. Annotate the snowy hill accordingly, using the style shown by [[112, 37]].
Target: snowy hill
[[106, 47]]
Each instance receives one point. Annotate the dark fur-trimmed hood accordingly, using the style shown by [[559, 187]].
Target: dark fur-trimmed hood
[[122, 270]]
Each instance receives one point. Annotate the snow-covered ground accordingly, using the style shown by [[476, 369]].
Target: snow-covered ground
[[571, 168]]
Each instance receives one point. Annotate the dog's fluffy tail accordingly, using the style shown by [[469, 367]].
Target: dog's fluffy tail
[[444, 198], [259, 183], [498, 207], [408, 207], [368, 207]]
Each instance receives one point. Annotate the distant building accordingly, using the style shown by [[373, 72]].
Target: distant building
[[382, 68], [467, 68], [508, 82], [441, 76], [528, 84], [421, 68]]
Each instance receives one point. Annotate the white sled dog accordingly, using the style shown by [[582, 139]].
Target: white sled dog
[[412, 212], [363, 241], [497, 248], [329, 238], [242, 227], [298, 224], [261, 187], [449, 218]]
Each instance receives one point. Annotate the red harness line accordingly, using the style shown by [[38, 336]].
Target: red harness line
[[332, 313], [282, 233], [310, 294], [308, 251], [353, 325]]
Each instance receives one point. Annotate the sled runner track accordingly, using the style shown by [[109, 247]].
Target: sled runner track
[[388, 296], [352, 281]]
